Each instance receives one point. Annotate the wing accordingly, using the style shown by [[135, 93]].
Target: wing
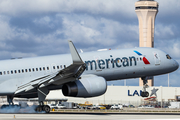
[[70, 73]]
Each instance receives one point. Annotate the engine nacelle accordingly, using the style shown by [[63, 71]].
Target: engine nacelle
[[87, 86]]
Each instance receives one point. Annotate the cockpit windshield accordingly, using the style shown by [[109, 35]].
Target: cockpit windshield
[[168, 57]]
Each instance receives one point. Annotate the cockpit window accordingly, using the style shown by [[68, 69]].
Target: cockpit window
[[168, 57]]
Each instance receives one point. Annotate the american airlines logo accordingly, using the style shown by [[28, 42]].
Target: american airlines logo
[[111, 62], [144, 58]]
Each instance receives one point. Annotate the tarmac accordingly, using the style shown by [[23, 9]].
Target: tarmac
[[90, 116]]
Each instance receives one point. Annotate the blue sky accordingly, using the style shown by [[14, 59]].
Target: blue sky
[[31, 28]]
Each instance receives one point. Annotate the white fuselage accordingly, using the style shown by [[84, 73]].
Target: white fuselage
[[110, 64]]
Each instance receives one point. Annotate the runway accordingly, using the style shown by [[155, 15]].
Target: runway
[[85, 116]]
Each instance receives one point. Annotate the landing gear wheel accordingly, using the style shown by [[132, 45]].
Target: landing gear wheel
[[144, 94], [38, 108], [41, 108], [46, 108]]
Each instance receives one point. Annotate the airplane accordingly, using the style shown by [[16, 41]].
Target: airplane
[[79, 75]]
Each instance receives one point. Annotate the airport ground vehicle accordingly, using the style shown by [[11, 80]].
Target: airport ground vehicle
[[94, 107], [117, 107], [52, 106], [97, 107], [174, 105], [107, 106], [101, 107], [146, 106], [60, 106], [131, 106]]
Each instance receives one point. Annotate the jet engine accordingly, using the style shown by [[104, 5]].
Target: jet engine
[[87, 86]]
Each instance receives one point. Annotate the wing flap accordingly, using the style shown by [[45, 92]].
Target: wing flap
[[67, 74]]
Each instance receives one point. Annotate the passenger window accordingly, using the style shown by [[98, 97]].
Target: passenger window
[[0, 73], [47, 68], [33, 69], [7, 72], [40, 69], [53, 67], [61, 66], [22, 71], [15, 71], [19, 71], [26, 70], [43, 68], [4, 72], [57, 67], [11, 72], [29, 70], [36, 69], [64, 66]]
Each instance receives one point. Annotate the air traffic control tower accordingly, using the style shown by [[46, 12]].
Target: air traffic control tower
[[146, 11]]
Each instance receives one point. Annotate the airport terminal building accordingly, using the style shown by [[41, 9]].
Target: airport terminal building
[[124, 95]]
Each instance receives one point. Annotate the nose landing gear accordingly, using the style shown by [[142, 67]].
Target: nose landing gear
[[144, 93]]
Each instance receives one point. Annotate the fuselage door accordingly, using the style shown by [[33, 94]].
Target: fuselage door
[[156, 58]]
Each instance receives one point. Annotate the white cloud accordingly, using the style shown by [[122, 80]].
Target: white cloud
[[101, 31], [164, 30], [106, 7], [173, 49], [95, 7], [5, 29], [167, 7]]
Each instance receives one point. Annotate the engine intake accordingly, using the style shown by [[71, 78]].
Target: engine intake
[[70, 89]]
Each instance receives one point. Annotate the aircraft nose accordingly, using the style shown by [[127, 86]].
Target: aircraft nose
[[176, 65]]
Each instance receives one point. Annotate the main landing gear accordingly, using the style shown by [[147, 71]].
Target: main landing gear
[[42, 107], [144, 93], [11, 104], [42, 93]]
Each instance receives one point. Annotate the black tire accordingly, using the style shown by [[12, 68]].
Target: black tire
[[142, 94], [146, 94], [39, 109], [46, 108]]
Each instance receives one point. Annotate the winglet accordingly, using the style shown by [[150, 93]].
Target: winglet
[[75, 55]]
